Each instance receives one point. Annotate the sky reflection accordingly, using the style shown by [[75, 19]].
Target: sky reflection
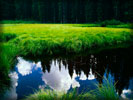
[[30, 76], [59, 80], [11, 93]]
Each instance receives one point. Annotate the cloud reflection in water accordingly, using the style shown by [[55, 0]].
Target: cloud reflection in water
[[24, 67], [59, 80], [11, 93]]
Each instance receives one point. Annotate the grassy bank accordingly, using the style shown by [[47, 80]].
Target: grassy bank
[[104, 91], [50, 39]]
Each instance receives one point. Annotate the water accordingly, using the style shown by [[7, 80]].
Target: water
[[65, 73]]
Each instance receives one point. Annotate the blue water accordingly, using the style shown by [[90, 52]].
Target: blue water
[[64, 74]]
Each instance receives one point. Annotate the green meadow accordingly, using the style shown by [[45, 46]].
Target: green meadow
[[52, 39]]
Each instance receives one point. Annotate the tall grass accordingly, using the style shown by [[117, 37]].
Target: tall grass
[[52, 39], [7, 60], [7, 57], [104, 91], [107, 91], [52, 95]]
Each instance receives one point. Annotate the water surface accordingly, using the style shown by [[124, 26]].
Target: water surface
[[65, 73]]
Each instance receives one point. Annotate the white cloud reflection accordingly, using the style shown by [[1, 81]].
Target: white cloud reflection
[[124, 92], [82, 76], [127, 94], [60, 80], [11, 93], [90, 77], [25, 67]]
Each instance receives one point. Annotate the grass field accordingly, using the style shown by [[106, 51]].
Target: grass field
[[38, 39], [107, 23], [53, 38], [49, 39]]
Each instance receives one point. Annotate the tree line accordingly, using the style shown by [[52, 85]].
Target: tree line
[[66, 11]]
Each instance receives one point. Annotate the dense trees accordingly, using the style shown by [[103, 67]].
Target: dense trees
[[66, 11]]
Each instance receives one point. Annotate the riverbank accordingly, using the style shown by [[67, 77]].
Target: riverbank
[[50, 39]]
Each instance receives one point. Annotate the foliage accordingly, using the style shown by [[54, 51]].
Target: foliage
[[104, 91], [7, 37], [66, 11], [50, 39], [66, 38], [17, 22], [54, 95], [107, 23], [7, 57], [110, 22]]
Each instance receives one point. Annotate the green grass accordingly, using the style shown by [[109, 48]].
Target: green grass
[[124, 25], [53, 38], [107, 23], [107, 91], [7, 58], [50, 39], [52, 95], [104, 91], [130, 26], [17, 22]]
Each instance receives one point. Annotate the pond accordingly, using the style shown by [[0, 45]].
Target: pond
[[62, 73]]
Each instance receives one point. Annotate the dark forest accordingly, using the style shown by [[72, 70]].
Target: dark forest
[[67, 11]]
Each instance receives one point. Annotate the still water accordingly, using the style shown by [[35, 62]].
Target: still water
[[65, 73]]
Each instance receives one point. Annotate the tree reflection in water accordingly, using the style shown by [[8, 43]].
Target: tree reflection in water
[[64, 73], [118, 63]]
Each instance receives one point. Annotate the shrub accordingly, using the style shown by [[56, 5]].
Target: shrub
[[110, 22]]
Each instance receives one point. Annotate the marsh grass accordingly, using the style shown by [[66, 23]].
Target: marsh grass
[[105, 91], [7, 58], [53, 95], [55, 38], [51, 39]]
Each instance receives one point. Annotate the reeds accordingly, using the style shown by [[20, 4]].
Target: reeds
[[52, 39], [104, 91]]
